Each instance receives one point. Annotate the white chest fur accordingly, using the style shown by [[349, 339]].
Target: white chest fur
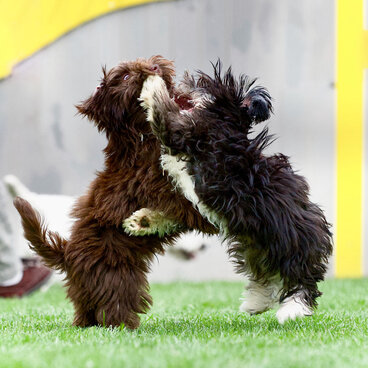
[[177, 169]]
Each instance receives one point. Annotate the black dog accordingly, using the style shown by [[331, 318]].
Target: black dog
[[278, 237]]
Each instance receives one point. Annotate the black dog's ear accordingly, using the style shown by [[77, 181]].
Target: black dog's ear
[[258, 104]]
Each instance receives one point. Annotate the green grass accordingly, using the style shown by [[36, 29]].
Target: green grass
[[190, 325]]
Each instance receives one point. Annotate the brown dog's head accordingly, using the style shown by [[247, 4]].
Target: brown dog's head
[[114, 105]]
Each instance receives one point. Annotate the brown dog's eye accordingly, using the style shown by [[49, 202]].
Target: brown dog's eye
[[126, 77]]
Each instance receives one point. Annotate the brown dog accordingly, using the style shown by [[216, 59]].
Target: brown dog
[[105, 267]]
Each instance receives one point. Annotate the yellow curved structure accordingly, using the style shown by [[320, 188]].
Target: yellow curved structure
[[28, 25]]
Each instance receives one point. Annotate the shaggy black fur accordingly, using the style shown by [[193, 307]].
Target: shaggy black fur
[[261, 203]]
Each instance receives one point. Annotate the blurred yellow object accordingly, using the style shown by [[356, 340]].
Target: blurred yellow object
[[352, 58], [28, 25], [365, 48]]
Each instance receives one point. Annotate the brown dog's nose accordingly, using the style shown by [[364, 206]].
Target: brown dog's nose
[[155, 68]]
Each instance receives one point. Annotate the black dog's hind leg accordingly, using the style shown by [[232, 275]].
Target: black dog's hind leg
[[260, 296], [306, 267], [300, 291], [296, 304]]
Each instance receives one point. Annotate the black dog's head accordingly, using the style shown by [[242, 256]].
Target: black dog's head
[[248, 103], [114, 105], [257, 104]]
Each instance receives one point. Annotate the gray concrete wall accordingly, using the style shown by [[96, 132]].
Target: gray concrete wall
[[288, 44]]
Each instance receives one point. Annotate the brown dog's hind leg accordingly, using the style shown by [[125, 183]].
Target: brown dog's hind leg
[[83, 318], [117, 298], [125, 296], [107, 276]]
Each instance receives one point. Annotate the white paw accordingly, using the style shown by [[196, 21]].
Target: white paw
[[259, 298], [292, 308], [152, 85], [253, 307], [138, 224]]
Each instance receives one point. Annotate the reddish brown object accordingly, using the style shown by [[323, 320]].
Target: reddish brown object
[[34, 276]]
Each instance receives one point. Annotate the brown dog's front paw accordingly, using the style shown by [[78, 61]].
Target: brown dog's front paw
[[149, 222], [139, 223], [144, 222]]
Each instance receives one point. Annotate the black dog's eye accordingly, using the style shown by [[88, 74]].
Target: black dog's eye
[[126, 77]]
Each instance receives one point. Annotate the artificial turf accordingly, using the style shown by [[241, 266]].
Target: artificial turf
[[190, 325]]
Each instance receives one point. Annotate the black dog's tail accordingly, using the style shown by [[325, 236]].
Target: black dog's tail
[[49, 245]]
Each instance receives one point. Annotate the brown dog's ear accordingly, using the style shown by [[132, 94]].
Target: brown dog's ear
[[85, 108], [82, 110], [88, 107]]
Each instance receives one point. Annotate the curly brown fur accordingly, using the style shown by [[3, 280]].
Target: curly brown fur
[[105, 267], [258, 201]]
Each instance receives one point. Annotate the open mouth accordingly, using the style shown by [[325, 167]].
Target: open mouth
[[184, 101]]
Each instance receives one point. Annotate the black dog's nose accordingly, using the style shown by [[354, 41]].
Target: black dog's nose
[[155, 68]]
